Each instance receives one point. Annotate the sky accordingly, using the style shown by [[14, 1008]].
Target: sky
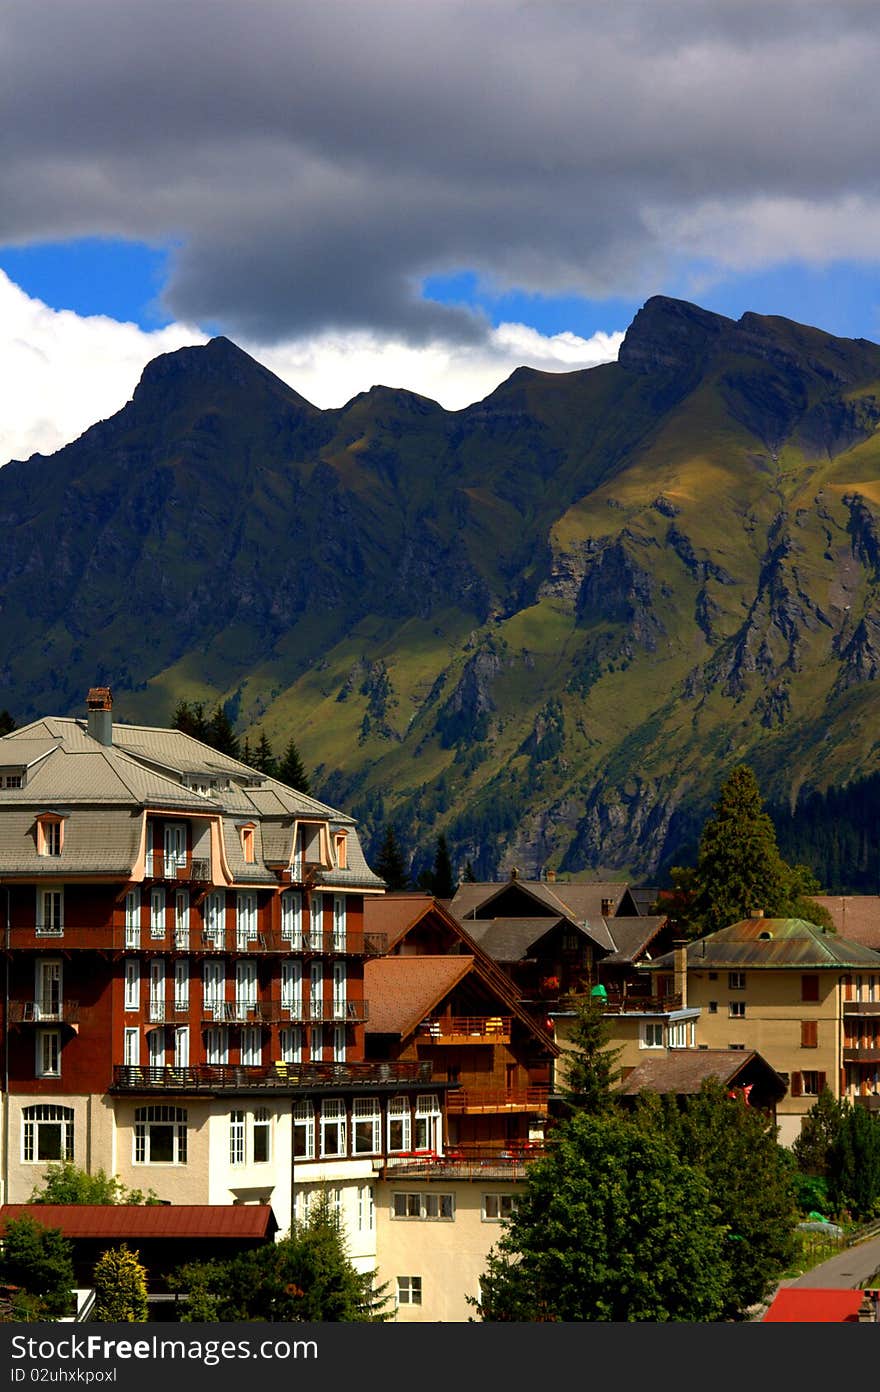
[[424, 195]]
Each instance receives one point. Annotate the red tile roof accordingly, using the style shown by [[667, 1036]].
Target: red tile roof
[[801, 1305], [395, 913], [121, 1221], [403, 990], [855, 916]]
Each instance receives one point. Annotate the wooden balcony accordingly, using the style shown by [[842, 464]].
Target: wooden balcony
[[476, 1101], [861, 1054], [861, 1007], [617, 1004], [466, 1029], [211, 1078], [29, 1012]]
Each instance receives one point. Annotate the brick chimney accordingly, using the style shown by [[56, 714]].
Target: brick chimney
[[608, 908], [551, 876], [680, 957], [99, 705]]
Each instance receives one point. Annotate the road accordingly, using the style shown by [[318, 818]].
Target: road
[[849, 1269]]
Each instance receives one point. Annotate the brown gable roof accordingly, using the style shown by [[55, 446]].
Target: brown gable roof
[[855, 916], [683, 1071], [118, 1221], [395, 914], [403, 990]]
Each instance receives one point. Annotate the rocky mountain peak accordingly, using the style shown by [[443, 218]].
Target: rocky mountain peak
[[670, 336]]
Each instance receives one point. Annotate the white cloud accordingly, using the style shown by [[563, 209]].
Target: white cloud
[[62, 372]]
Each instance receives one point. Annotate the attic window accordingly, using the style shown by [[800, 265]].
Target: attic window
[[248, 845], [765, 936], [340, 840], [50, 835], [11, 780]]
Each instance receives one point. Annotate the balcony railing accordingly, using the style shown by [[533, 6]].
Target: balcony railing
[[476, 1100], [864, 1053], [162, 1013], [29, 1012], [312, 1076], [466, 1029], [273, 1012], [617, 1004], [160, 866], [861, 1007]]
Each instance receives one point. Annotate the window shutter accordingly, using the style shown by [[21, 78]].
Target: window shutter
[[796, 1085], [810, 987], [822, 1082], [809, 1034]]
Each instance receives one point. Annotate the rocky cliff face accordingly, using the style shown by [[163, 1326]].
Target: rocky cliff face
[[546, 625]]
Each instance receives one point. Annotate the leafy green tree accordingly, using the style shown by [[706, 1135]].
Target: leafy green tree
[[442, 878], [66, 1183], [40, 1261], [120, 1287], [613, 1226], [735, 1146], [854, 1164], [739, 867], [291, 770], [819, 1132], [390, 865], [305, 1277], [591, 1065]]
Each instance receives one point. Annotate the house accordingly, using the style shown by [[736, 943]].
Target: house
[[185, 945], [682, 1072], [807, 1000]]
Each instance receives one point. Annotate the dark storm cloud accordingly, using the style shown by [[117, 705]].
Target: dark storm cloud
[[315, 161]]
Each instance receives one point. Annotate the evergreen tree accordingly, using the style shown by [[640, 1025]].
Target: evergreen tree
[[819, 1132], [190, 719], [739, 867], [40, 1261], [291, 770], [120, 1287], [469, 877], [612, 1226], [591, 1065], [7, 724], [220, 734], [246, 754], [442, 880], [263, 758], [390, 865]]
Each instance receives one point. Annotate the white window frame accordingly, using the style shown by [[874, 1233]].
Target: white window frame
[[366, 1126], [339, 923], [333, 1120], [217, 1045], [145, 1118], [48, 988], [156, 1047], [245, 987], [680, 1034], [340, 1044], [427, 1121], [157, 990], [175, 848], [291, 1041], [133, 918], [236, 1137], [157, 913], [245, 919], [292, 987], [736, 1010], [214, 987], [316, 991], [340, 990], [316, 1043], [47, 1063], [50, 911], [215, 917], [409, 1290], [399, 1114], [316, 920], [304, 1129], [736, 981], [263, 1124], [181, 983], [494, 1205], [651, 1034], [428, 1206], [181, 1046], [132, 987], [251, 1046], [366, 1215], [181, 919], [50, 1114], [291, 919], [131, 1046]]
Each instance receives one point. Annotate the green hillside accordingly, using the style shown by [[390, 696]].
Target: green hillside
[[547, 624]]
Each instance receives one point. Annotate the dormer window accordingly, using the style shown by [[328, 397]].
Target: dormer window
[[340, 841], [11, 780], [50, 835], [248, 844]]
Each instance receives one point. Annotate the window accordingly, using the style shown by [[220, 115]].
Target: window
[[316, 991], [812, 1082], [366, 1211], [341, 847], [131, 1046], [339, 923], [291, 919], [160, 1135], [339, 1044], [50, 836], [333, 1126], [181, 983], [316, 925], [424, 1206], [340, 990], [262, 1136], [245, 920], [304, 1130], [497, 1207], [736, 981], [810, 987], [133, 918], [651, 1035], [214, 988], [291, 988], [809, 1034], [157, 913], [181, 1046], [12, 780], [427, 1123], [316, 1044], [215, 917], [181, 919], [713, 1007], [236, 1138], [217, 1045], [399, 1124], [409, 1290], [156, 1047], [132, 983], [405, 1205], [47, 1133], [736, 1010], [157, 989], [50, 913], [48, 1060], [47, 989], [291, 1045], [175, 849], [248, 844], [681, 1034], [245, 988], [366, 1126], [251, 1047]]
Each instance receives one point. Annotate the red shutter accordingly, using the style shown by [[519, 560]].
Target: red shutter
[[809, 1034], [796, 1085]]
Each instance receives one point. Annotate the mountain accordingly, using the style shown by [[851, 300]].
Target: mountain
[[547, 624]]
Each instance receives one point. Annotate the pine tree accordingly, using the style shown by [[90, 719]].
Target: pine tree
[[190, 719], [390, 865], [592, 1066], [7, 724], [291, 770], [442, 881], [120, 1287], [469, 876], [262, 757], [220, 734]]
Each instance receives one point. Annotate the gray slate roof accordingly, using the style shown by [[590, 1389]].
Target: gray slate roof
[[763, 943]]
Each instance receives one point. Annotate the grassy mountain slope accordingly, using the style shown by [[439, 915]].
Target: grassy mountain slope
[[547, 624]]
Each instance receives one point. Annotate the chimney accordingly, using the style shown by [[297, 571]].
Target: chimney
[[607, 908], [551, 876], [680, 957], [757, 913], [99, 705], [514, 874]]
